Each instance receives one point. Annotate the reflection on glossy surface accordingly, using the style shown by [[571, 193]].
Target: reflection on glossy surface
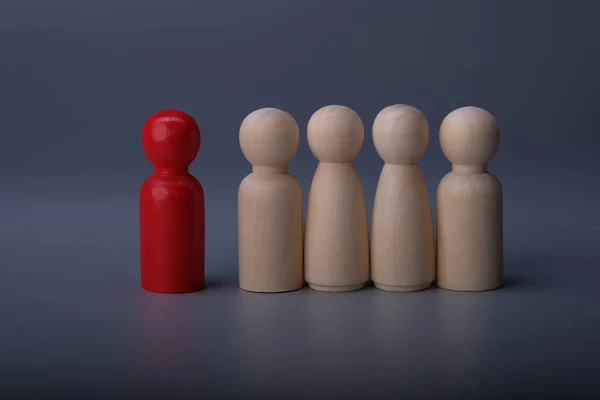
[[369, 342], [537, 331], [165, 339], [465, 332], [406, 335], [272, 351], [339, 333], [181, 341]]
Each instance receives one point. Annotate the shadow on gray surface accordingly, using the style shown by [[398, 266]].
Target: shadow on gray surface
[[548, 271], [221, 283], [513, 281]]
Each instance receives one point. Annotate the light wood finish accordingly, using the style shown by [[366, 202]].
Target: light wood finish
[[270, 205], [469, 204], [336, 253], [402, 239]]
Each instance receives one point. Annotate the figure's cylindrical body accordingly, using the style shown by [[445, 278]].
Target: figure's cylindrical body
[[469, 232], [172, 234], [336, 253], [270, 233], [402, 240]]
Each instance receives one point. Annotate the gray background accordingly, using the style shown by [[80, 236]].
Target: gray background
[[79, 78]]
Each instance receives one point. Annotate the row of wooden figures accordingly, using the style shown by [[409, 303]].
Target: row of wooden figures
[[333, 250]]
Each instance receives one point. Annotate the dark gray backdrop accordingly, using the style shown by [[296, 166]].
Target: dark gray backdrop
[[79, 78]]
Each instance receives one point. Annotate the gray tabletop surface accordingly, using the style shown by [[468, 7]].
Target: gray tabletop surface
[[75, 320]]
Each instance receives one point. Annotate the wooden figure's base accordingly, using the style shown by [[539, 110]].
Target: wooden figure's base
[[270, 291], [390, 288], [172, 291], [349, 288], [457, 289]]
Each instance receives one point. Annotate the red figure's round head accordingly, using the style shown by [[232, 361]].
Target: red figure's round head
[[171, 139]]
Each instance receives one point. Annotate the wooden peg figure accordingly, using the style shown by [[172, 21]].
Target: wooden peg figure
[[402, 239], [171, 206], [469, 204], [336, 253], [270, 205]]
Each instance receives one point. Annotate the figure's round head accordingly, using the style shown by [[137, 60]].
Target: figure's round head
[[469, 136], [335, 134], [400, 134], [269, 137], [171, 139]]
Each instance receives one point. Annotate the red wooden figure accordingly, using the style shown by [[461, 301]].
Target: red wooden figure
[[171, 206]]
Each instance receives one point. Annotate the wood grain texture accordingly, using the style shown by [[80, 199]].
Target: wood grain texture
[[469, 204], [402, 239], [336, 252], [270, 205]]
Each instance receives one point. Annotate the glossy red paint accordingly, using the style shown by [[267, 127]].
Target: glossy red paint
[[171, 207]]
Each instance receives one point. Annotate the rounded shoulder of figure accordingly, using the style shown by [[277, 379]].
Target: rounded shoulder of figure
[[274, 182], [173, 185], [480, 183], [248, 181], [194, 184]]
